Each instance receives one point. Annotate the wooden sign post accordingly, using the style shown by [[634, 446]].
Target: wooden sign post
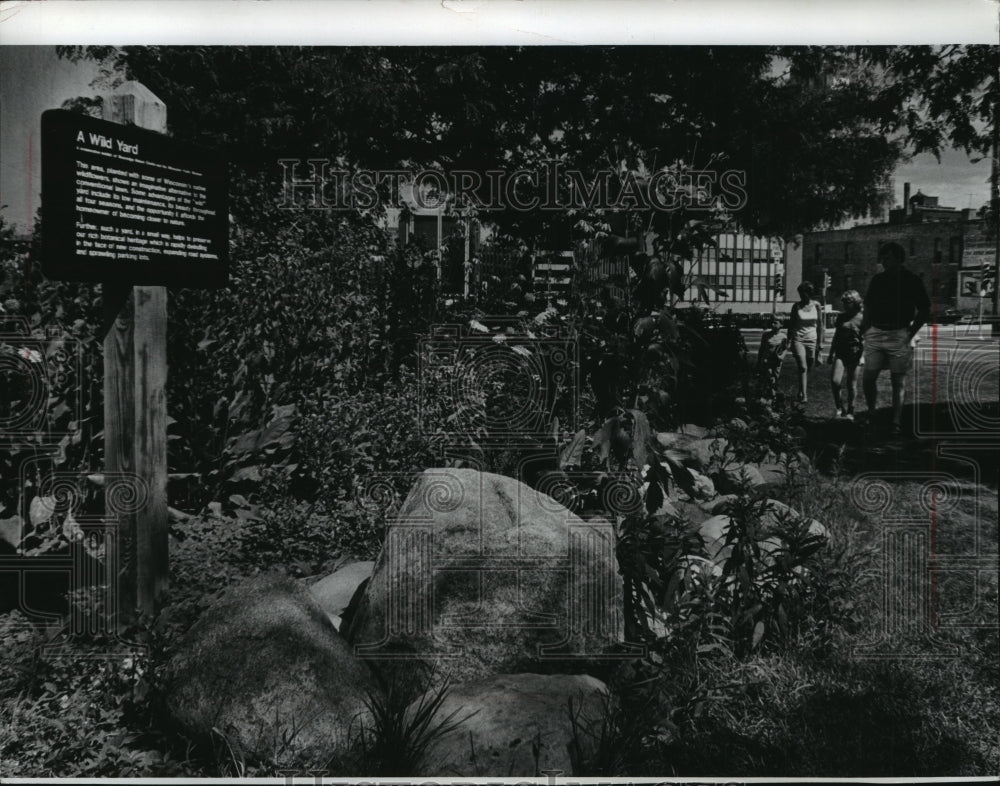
[[135, 398], [126, 205]]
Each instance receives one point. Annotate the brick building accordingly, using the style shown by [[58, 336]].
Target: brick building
[[948, 248]]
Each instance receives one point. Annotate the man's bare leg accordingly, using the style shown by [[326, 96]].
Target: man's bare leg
[[869, 384], [898, 393]]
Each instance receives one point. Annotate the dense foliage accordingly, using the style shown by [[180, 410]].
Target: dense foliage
[[314, 382]]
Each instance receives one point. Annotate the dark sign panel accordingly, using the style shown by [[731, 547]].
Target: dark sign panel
[[123, 204]]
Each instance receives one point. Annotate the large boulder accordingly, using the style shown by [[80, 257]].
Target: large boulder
[[264, 668], [333, 593], [517, 725], [483, 575]]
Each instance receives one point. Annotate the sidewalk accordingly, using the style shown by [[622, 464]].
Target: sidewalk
[[953, 332], [958, 331]]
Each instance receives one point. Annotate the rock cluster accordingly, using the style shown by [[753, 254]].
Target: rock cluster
[[484, 585], [483, 582]]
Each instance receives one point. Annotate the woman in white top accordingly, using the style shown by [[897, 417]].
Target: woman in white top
[[805, 335]]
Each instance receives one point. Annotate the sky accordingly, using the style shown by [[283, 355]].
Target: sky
[[33, 78], [956, 180]]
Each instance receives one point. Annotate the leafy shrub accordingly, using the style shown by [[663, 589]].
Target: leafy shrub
[[51, 398], [762, 430], [766, 586], [83, 709]]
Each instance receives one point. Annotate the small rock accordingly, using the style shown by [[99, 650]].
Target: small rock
[[674, 440], [334, 592], [798, 459], [706, 452], [719, 504], [690, 512], [517, 725], [703, 486], [713, 534], [713, 530], [733, 479], [773, 474], [775, 509], [694, 430]]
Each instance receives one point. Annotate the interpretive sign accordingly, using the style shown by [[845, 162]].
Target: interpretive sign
[[121, 203]]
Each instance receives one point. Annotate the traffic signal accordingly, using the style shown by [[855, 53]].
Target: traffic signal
[[777, 282], [826, 280]]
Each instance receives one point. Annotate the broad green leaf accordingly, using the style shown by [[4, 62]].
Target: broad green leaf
[[41, 510], [682, 475], [641, 434], [602, 439], [71, 529], [572, 454], [246, 473], [11, 530]]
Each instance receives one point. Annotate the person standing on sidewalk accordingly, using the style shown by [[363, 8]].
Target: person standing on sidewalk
[[896, 307], [846, 353], [805, 334], [773, 344]]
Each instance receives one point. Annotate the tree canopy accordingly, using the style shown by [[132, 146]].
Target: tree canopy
[[816, 130]]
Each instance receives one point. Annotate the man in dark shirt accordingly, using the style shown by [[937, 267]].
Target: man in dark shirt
[[896, 307]]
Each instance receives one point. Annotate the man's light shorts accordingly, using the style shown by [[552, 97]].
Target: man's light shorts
[[888, 349]]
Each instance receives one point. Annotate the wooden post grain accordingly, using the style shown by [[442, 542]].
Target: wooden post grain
[[135, 401]]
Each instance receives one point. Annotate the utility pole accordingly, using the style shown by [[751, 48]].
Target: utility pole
[[995, 184]]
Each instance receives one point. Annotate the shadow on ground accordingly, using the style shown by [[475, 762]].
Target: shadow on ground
[[940, 436]]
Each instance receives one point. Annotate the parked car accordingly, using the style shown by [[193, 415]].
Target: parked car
[[947, 316]]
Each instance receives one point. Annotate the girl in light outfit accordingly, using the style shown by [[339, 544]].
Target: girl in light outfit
[[805, 334], [846, 353]]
